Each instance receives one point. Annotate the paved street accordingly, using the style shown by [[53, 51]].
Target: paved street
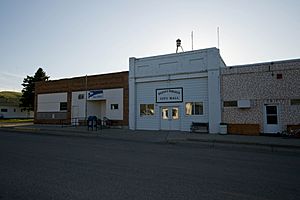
[[57, 167]]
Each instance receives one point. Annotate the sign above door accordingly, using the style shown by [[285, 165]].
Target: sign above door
[[169, 95]]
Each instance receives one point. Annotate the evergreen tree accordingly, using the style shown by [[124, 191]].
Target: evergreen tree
[[27, 99]]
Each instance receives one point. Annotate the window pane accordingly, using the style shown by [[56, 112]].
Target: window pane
[[81, 96], [150, 109], [4, 110], [114, 106], [230, 103], [142, 109], [272, 119], [165, 113], [146, 109], [188, 108], [175, 113], [295, 101], [271, 110], [63, 106], [198, 108]]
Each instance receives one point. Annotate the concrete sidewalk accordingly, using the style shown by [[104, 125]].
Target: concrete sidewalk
[[173, 137]]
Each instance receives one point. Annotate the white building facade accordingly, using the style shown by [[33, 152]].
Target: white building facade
[[12, 110], [100, 103], [169, 92]]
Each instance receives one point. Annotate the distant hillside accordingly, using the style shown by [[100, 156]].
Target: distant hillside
[[10, 97]]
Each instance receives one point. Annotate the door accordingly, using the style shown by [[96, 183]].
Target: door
[[271, 122], [75, 111], [170, 118]]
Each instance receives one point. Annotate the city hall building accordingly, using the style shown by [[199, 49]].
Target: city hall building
[[169, 92], [75, 99]]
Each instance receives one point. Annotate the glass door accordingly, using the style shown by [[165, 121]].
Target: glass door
[[164, 121], [271, 124], [170, 118]]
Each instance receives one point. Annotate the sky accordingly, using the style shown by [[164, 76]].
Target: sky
[[69, 38]]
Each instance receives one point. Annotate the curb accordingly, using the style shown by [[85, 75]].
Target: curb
[[24, 129], [167, 140], [244, 143]]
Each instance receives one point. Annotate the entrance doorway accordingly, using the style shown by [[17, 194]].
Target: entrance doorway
[[96, 108], [170, 118], [271, 122]]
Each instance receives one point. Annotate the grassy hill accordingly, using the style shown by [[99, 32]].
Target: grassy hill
[[10, 97]]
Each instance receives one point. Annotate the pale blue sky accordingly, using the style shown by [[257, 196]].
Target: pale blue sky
[[70, 38]]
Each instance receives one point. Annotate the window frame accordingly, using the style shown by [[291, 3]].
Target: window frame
[[114, 106], [63, 106], [193, 111], [147, 110]]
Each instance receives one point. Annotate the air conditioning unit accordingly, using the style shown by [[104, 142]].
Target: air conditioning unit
[[245, 103]]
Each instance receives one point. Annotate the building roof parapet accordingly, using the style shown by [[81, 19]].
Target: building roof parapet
[[292, 64]]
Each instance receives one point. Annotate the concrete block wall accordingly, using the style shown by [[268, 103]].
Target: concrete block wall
[[261, 84]]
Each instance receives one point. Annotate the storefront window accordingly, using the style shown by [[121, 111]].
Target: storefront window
[[146, 109], [194, 108]]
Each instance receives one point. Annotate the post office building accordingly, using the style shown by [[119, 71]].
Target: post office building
[[103, 96]]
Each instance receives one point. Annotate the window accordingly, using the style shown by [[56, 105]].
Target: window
[[4, 110], [295, 101], [114, 106], [279, 76], [81, 96], [194, 108], [230, 103], [175, 113], [63, 106], [146, 109], [271, 112], [165, 113]]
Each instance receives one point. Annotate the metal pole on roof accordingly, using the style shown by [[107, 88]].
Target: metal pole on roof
[[86, 97], [218, 35], [192, 36]]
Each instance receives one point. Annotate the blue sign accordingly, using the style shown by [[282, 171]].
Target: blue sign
[[95, 94]]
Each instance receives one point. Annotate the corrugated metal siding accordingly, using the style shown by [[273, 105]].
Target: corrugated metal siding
[[194, 90]]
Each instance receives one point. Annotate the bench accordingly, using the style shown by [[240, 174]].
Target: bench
[[199, 127]]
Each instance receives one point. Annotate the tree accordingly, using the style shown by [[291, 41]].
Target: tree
[[27, 99]]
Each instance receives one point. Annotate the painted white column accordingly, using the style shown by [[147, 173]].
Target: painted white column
[[214, 92], [132, 94]]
